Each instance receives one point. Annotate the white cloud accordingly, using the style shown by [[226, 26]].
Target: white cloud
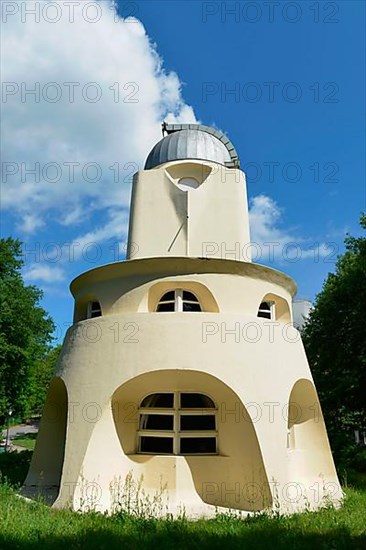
[[44, 272], [271, 242], [116, 228], [264, 215], [74, 216], [30, 223], [58, 131]]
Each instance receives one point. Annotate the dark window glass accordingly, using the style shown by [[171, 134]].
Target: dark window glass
[[265, 314], [95, 314], [265, 310], [168, 306], [168, 296], [94, 309], [159, 401], [189, 296], [196, 401], [197, 422], [156, 422], [197, 445], [156, 445], [191, 307]]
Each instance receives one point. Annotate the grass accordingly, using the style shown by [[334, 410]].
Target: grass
[[27, 441], [28, 526]]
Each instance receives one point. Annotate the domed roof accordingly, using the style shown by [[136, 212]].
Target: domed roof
[[192, 141]]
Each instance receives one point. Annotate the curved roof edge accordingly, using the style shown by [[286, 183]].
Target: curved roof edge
[[174, 265], [234, 157]]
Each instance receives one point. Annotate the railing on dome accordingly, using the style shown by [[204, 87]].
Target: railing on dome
[[233, 163]]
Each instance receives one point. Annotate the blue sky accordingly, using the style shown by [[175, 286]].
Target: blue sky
[[286, 82]]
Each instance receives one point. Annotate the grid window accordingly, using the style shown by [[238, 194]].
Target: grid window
[[176, 423], [179, 300]]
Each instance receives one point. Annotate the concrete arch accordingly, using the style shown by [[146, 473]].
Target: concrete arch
[[44, 476], [236, 477], [308, 442]]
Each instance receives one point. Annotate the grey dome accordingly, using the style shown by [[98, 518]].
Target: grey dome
[[193, 142]]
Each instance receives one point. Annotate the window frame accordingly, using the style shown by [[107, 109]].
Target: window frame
[[178, 301], [271, 310], [176, 434], [90, 310]]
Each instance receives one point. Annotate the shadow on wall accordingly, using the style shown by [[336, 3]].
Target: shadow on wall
[[308, 440], [231, 477], [45, 471]]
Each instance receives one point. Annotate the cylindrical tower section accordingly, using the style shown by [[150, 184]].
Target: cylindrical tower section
[[190, 200]]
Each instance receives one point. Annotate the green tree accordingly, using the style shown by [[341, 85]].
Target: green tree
[[25, 331], [335, 341], [40, 376]]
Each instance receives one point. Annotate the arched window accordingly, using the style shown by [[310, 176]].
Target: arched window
[[177, 423], [267, 310], [179, 300], [94, 310]]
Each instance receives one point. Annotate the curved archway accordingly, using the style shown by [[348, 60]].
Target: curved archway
[[235, 477], [307, 436], [45, 470]]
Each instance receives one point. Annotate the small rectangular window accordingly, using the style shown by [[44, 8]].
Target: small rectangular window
[[198, 445], [188, 306], [166, 306], [168, 297], [264, 314], [156, 445], [197, 422], [196, 401], [156, 422], [189, 296]]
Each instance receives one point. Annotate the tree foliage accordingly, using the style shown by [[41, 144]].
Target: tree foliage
[[40, 376], [335, 341], [25, 332]]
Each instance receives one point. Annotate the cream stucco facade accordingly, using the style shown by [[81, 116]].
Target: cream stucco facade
[[252, 436]]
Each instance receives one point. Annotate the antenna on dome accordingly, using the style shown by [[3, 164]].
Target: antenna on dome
[[163, 128]]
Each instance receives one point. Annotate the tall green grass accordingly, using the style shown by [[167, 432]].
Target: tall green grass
[[32, 525]]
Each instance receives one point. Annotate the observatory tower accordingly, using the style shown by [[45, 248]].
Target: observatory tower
[[182, 372]]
